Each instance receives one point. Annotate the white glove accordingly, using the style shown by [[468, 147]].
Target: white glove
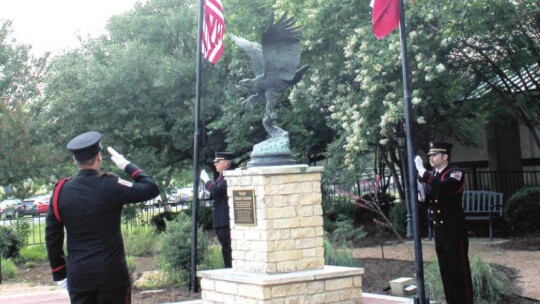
[[419, 165], [204, 176], [421, 192], [62, 283], [118, 159], [204, 194]]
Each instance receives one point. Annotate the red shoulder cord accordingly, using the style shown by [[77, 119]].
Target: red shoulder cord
[[55, 198]]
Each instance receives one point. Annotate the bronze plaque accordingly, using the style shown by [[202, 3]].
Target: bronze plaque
[[244, 207]]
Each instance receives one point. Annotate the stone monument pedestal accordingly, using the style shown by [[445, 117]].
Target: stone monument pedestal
[[277, 242]]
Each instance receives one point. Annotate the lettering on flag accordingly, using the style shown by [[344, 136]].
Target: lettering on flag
[[385, 17], [213, 30]]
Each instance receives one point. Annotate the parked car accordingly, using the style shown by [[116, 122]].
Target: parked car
[[7, 203], [42, 203], [26, 207]]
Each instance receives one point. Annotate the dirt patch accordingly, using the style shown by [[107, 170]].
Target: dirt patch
[[530, 243]]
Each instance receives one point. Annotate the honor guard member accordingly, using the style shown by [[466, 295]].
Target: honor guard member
[[446, 183], [88, 207], [218, 192]]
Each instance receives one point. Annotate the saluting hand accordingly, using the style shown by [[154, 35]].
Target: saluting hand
[[118, 158], [419, 165], [204, 176]]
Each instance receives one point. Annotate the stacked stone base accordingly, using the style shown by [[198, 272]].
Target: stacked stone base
[[331, 284]]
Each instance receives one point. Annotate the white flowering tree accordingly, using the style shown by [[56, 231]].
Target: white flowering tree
[[357, 79]]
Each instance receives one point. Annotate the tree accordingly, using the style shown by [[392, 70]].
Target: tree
[[23, 157], [360, 77], [500, 49]]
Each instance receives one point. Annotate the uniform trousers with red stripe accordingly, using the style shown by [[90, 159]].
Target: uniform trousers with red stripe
[[455, 270], [110, 296]]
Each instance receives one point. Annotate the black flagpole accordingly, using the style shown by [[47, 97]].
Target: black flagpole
[[195, 207], [413, 189]]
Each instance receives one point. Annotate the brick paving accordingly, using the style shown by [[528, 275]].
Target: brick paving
[[40, 297], [60, 297]]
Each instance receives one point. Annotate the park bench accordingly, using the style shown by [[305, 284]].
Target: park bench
[[482, 206], [479, 205]]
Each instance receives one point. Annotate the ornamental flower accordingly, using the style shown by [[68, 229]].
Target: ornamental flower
[[440, 68], [416, 101], [444, 42], [365, 103], [391, 96], [421, 120]]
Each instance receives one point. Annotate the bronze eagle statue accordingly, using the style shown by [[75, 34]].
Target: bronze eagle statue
[[275, 64]]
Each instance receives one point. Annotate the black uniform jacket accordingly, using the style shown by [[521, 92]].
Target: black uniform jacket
[[218, 192], [444, 200], [89, 207]]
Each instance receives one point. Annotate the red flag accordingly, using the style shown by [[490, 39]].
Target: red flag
[[385, 17], [213, 30]]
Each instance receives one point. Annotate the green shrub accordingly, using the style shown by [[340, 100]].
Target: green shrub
[[344, 206], [139, 241], [204, 218], [490, 284], [9, 242], [337, 257], [385, 202], [433, 281], [398, 217], [22, 229], [159, 221], [175, 249], [522, 210], [30, 264], [345, 232], [129, 212], [213, 258], [34, 253], [132, 266], [9, 270]]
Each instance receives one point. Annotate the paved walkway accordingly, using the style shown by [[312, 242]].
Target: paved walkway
[[61, 297], [367, 298], [37, 297]]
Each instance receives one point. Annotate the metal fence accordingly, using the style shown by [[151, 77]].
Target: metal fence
[[507, 182], [134, 215]]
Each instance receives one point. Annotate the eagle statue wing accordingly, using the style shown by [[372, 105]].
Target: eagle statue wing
[[254, 51], [281, 49]]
